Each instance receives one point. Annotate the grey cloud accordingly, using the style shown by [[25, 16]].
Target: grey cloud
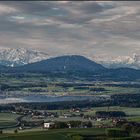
[[85, 28]]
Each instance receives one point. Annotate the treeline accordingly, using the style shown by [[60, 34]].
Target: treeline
[[124, 85], [127, 100], [110, 114], [9, 87], [73, 84], [59, 105], [7, 108], [71, 124], [62, 105]]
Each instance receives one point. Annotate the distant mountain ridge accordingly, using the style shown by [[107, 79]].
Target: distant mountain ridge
[[20, 56], [119, 61], [75, 65]]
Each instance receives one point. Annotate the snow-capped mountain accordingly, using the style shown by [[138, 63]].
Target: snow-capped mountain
[[20, 56], [120, 61]]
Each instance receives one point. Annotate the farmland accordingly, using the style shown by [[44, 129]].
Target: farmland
[[67, 115], [63, 134], [23, 84], [24, 120], [8, 119]]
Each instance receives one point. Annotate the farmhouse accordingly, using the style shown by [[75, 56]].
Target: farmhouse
[[47, 125]]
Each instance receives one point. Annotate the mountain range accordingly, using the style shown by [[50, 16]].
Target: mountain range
[[119, 61], [75, 65], [20, 56], [26, 60]]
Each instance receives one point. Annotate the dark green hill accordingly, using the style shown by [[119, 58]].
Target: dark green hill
[[73, 63]]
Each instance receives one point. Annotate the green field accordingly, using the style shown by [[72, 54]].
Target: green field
[[136, 119], [7, 119], [61, 134], [133, 114], [42, 84], [18, 85], [130, 111]]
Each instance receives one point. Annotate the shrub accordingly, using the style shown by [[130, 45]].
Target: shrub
[[1, 132]]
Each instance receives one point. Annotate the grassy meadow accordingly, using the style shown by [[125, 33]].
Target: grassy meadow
[[8, 119]]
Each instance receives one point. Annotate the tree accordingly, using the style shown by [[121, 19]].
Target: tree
[[89, 124], [16, 131], [1, 132]]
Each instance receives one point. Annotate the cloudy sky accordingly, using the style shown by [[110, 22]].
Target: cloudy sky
[[65, 27]]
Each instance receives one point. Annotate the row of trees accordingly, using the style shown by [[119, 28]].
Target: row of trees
[[62, 105], [110, 114], [71, 124], [127, 100]]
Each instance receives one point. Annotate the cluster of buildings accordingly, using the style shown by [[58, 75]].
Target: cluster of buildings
[[38, 117]]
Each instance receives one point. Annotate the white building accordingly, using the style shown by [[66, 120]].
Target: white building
[[48, 125]]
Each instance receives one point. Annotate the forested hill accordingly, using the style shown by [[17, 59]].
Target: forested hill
[[76, 65]]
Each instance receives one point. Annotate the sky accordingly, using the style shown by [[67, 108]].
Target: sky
[[87, 28]]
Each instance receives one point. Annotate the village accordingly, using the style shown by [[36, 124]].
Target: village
[[72, 118], [25, 119]]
